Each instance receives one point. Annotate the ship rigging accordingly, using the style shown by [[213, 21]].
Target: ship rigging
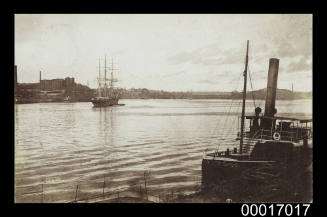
[[107, 96], [272, 150]]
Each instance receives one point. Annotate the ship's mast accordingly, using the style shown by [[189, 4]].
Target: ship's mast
[[99, 91], [244, 96], [112, 76], [105, 76]]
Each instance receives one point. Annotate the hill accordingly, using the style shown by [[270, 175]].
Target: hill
[[282, 94]]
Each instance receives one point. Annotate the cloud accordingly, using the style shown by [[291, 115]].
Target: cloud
[[301, 65], [208, 56], [207, 81], [184, 50], [261, 74], [291, 49], [173, 74], [296, 36], [183, 57]]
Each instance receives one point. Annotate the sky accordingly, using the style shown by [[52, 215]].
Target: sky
[[172, 52]]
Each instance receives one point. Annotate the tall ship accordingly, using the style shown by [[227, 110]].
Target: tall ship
[[107, 95], [272, 161]]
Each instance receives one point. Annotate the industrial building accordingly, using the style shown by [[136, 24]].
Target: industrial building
[[57, 84], [51, 90]]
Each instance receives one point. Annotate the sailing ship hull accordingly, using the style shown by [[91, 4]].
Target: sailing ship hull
[[104, 102]]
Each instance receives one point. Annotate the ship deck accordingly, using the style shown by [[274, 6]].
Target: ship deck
[[231, 159]]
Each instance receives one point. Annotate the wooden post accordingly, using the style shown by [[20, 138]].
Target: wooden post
[[146, 190], [76, 193], [281, 129], [104, 184], [297, 130], [271, 131]]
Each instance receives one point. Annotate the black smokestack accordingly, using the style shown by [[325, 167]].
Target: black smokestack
[[271, 87]]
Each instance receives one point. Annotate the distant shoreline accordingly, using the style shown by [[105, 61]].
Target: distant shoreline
[[282, 94], [60, 101], [31, 93], [214, 98]]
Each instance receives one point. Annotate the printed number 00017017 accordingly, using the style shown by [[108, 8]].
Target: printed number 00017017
[[275, 209]]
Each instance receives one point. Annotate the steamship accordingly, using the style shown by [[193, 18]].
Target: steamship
[[273, 161], [107, 95]]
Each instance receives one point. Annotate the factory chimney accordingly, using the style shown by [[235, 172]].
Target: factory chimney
[[270, 109], [40, 80], [15, 77]]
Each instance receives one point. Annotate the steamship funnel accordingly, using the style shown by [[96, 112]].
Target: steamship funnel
[[271, 87]]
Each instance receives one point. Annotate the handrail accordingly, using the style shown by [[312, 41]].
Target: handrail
[[284, 135], [293, 135]]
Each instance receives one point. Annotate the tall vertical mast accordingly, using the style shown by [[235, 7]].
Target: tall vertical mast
[[105, 75], [112, 76], [244, 96], [99, 79], [112, 72], [99, 71]]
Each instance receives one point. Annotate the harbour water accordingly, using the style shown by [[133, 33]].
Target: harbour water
[[61, 145]]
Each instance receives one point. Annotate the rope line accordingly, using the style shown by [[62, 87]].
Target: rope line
[[228, 115], [231, 128], [219, 120], [253, 97]]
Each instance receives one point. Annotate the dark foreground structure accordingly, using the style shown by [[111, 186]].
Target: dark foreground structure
[[273, 162]]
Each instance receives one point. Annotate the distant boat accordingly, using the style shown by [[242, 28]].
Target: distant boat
[[107, 95]]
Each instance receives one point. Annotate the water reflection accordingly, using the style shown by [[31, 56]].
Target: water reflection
[[87, 146], [106, 131]]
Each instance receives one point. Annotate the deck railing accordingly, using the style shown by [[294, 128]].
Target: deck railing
[[282, 135]]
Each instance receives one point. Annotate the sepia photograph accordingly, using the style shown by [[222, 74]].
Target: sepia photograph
[[163, 108]]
